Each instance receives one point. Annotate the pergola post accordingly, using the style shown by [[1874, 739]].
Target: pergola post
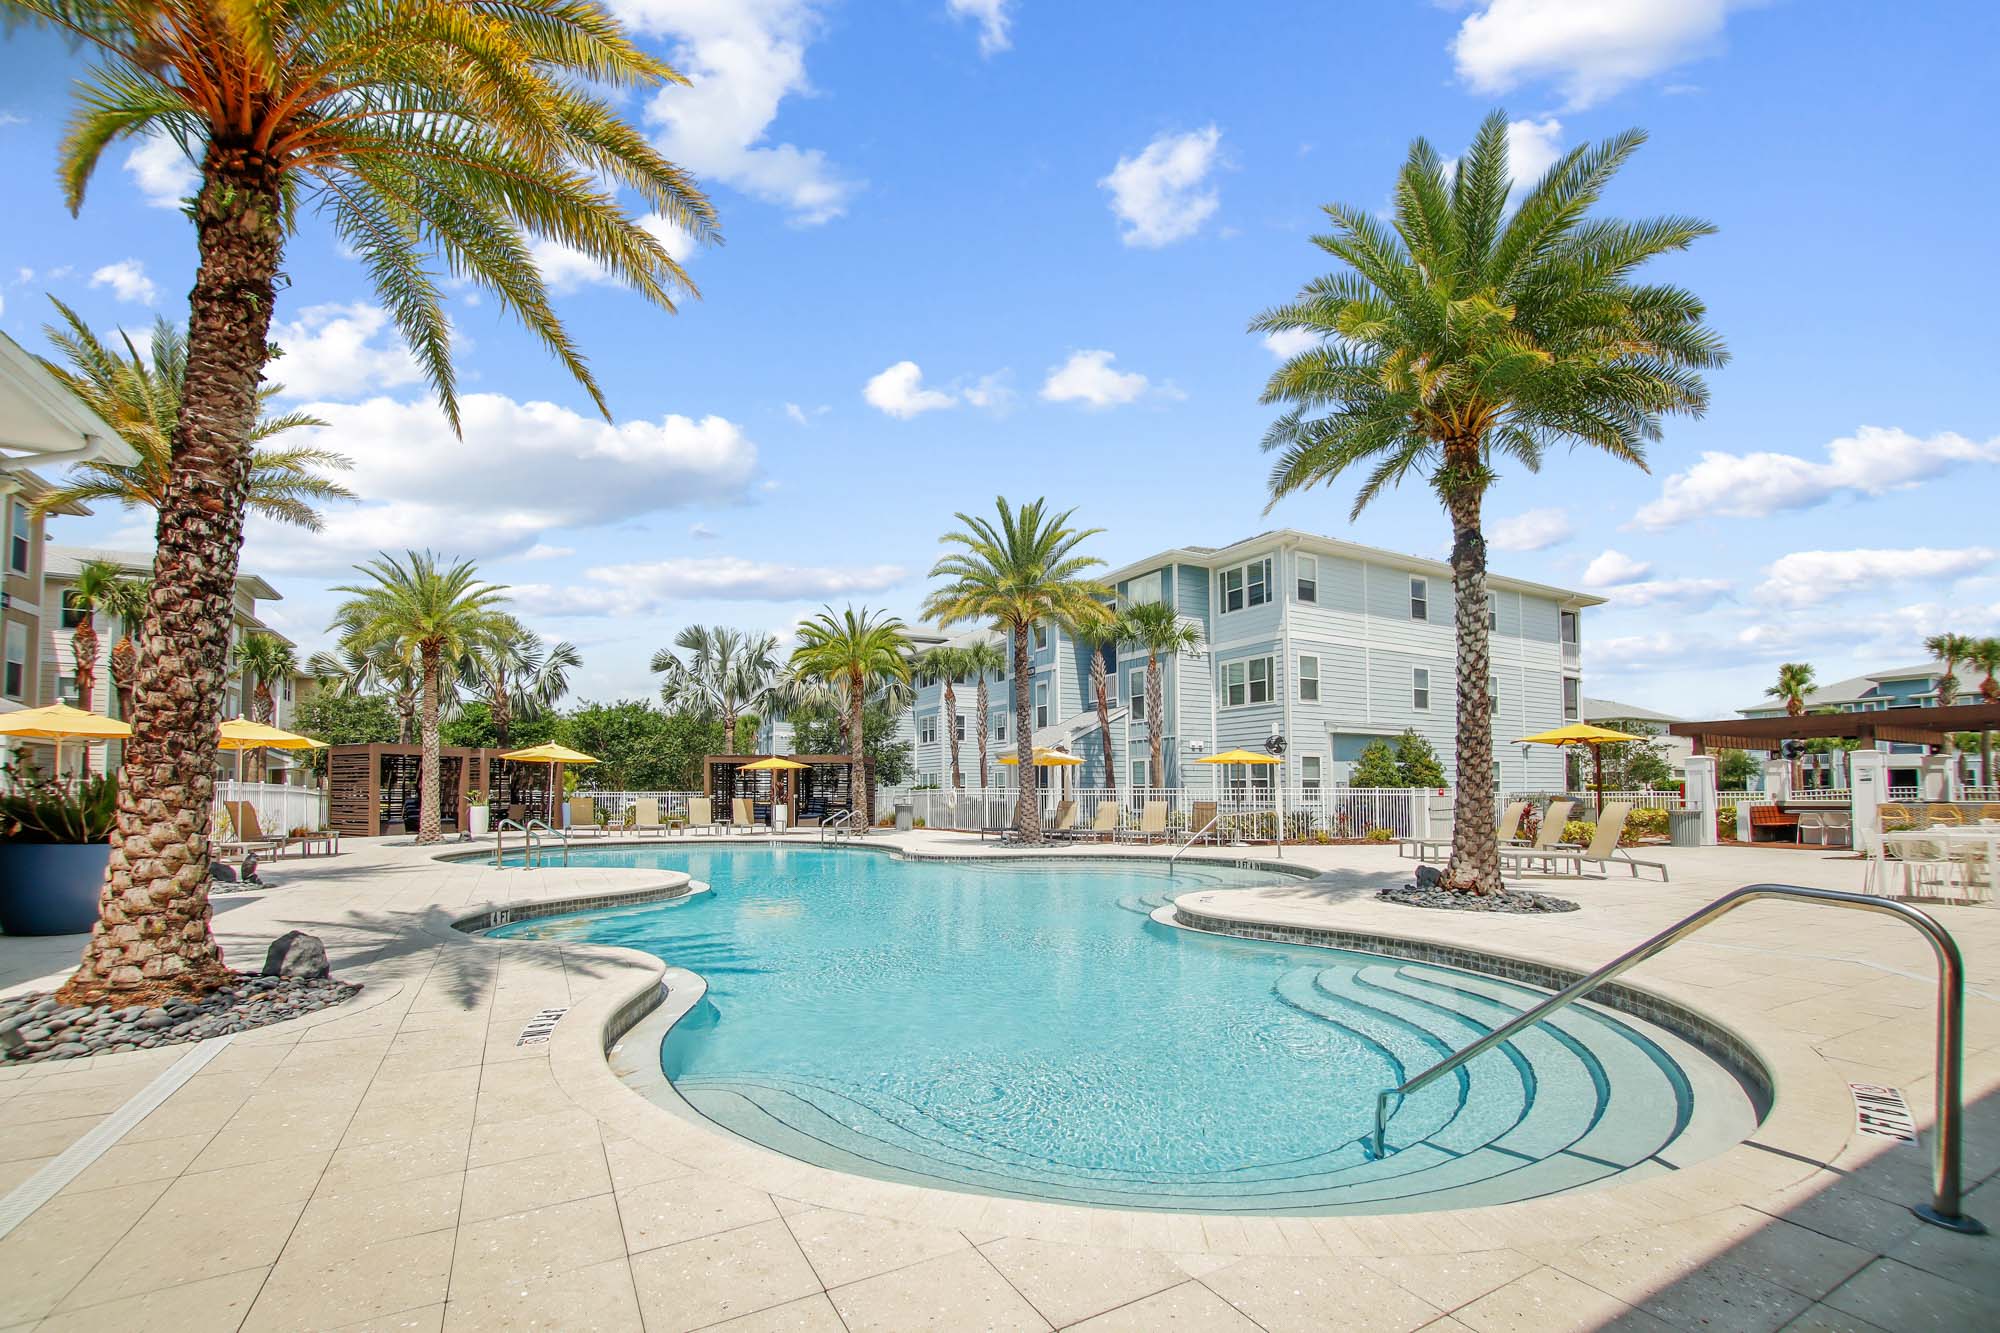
[[1868, 770]]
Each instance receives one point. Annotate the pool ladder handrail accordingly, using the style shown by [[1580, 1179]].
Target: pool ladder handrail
[[1943, 1209], [560, 834], [840, 824], [1193, 838], [500, 843]]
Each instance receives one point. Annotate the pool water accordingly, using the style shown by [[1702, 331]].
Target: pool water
[[1021, 1028]]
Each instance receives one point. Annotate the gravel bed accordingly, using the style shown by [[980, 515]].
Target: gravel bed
[[36, 1027], [1507, 900]]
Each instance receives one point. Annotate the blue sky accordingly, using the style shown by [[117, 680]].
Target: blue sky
[[1008, 246]]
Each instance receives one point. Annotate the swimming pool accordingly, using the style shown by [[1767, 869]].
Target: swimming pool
[[1022, 1028]]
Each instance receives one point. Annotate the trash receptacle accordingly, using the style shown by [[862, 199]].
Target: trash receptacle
[[905, 814], [1684, 828]]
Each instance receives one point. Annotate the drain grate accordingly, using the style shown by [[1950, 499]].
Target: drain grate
[[540, 1027], [1882, 1113]]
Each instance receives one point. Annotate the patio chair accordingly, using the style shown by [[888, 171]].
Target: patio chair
[[1603, 851], [646, 816], [583, 815], [1152, 825], [1509, 830], [1890, 815], [701, 815], [1063, 822], [742, 813], [1102, 828], [1202, 824], [1909, 867], [1549, 834], [1945, 816], [247, 835]]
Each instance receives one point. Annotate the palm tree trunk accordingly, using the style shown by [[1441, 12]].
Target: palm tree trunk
[[429, 825], [729, 730], [1100, 686], [1155, 701], [985, 728], [124, 671], [503, 710], [951, 722], [864, 793], [152, 933], [83, 648], [1475, 846], [1028, 798]]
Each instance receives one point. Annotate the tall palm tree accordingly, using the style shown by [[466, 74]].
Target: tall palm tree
[[948, 663], [728, 672], [1949, 649], [1985, 654], [95, 580], [852, 656], [350, 670], [431, 134], [517, 674], [1015, 573], [1100, 636], [263, 658], [1795, 682], [983, 658], [125, 600], [140, 396], [1462, 338], [1157, 630], [429, 616]]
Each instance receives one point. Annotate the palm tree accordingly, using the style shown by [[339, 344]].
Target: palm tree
[[851, 656], [1100, 636], [1157, 630], [351, 671], [983, 658], [948, 663], [126, 600], [95, 580], [431, 617], [1014, 574], [517, 674], [1795, 682], [263, 658], [728, 673], [431, 135], [141, 397], [1462, 338], [1949, 649], [1985, 654]]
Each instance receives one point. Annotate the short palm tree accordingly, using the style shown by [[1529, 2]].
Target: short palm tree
[[141, 397], [853, 655], [1985, 654], [263, 658], [1014, 573], [1461, 338], [1100, 636], [948, 663], [727, 673], [983, 658], [435, 137], [429, 616], [1795, 682], [1950, 650], [1158, 631], [518, 675], [349, 670], [126, 601], [95, 580]]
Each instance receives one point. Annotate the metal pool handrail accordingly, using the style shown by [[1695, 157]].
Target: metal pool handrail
[[1193, 838], [840, 823], [1943, 1209], [560, 834], [500, 843]]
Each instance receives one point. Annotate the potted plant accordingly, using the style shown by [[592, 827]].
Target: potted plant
[[55, 841], [476, 812]]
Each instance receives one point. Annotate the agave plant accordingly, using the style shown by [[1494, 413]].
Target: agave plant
[[42, 809]]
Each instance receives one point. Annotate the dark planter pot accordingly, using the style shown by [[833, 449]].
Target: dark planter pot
[[51, 888]]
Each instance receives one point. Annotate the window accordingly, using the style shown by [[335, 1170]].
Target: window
[[19, 534], [1492, 611], [1309, 680], [1246, 585], [1569, 629], [1309, 774], [1420, 690], [1308, 583], [72, 614], [1041, 704], [66, 690], [1493, 694], [958, 727], [15, 683], [288, 689], [1146, 588], [1257, 577], [1572, 698], [1136, 765], [999, 726], [1420, 599], [1135, 693], [1229, 590], [1041, 637], [927, 729], [1246, 682]]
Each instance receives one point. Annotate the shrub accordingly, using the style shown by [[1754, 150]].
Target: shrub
[[1648, 822], [1379, 835], [917, 822], [1579, 831], [55, 810], [1725, 822]]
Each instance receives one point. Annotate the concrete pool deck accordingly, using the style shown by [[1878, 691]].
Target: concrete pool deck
[[401, 1162]]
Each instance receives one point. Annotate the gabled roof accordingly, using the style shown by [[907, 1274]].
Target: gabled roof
[[1605, 710], [1856, 688]]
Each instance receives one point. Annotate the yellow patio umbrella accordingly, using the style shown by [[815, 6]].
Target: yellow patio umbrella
[[551, 754], [59, 722], [1046, 759], [240, 734], [1241, 756], [1582, 733], [774, 764]]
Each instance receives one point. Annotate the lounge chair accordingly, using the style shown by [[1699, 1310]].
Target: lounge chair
[[742, 813], [1603, 851], [1064, 822], [701, 816], [1549, 835], [1102, 828], [1203, 826], [1152, 825], [246, 834], [1510, 823], [646, 816], [583, 815]]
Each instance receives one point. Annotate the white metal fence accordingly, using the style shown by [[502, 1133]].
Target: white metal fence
[[1325, 813], [280, 808], [1641, 800]]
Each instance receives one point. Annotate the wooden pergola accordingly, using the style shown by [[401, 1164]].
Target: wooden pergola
[[372, 789], [1905, 726], [808, 794]]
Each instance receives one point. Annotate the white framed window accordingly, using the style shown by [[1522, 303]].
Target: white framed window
[[1135, 693], [1229, 590], [1244, 586], [1261, 677], [1257, 582], [1307, 589], [1492, 611], [1041, 637], [15, 682], [1147, 588], [1308, 679], [958, 727], [1572, 699], [1493, 694], [1420, 598], [1309, 774], [1569, 629], [66, 690], [20, 536], [999, 726], [927, 729], [1246, 682], [1420, 690], [1136, 765], [1041, 704]]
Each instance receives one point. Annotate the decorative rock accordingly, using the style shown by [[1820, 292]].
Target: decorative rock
[[1429, 877], [1507, 900], [222, 872], [69, 1048]]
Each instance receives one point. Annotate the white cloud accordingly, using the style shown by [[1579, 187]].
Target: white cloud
[[1533, 530], [900, 392], [544, 551], [1873, 461], [337, 351], [1612, 568], [521, 471], [565, 268], [1806, 578], [653, 586], [127, 280], [1588, 50], [796, 413], [993, 392], [1158, 195], [1689, 594], [1532, 148], [742, 58], [162, 171], [993, 19], [9, 119], [1087, 378], [703, 532], [1288, 343]]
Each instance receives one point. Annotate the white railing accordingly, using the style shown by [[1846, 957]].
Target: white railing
[[1981, 793], [1821, 796], [1906, 794], [1642, 800], [613, 804], [1328, 813], [280, 808]]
